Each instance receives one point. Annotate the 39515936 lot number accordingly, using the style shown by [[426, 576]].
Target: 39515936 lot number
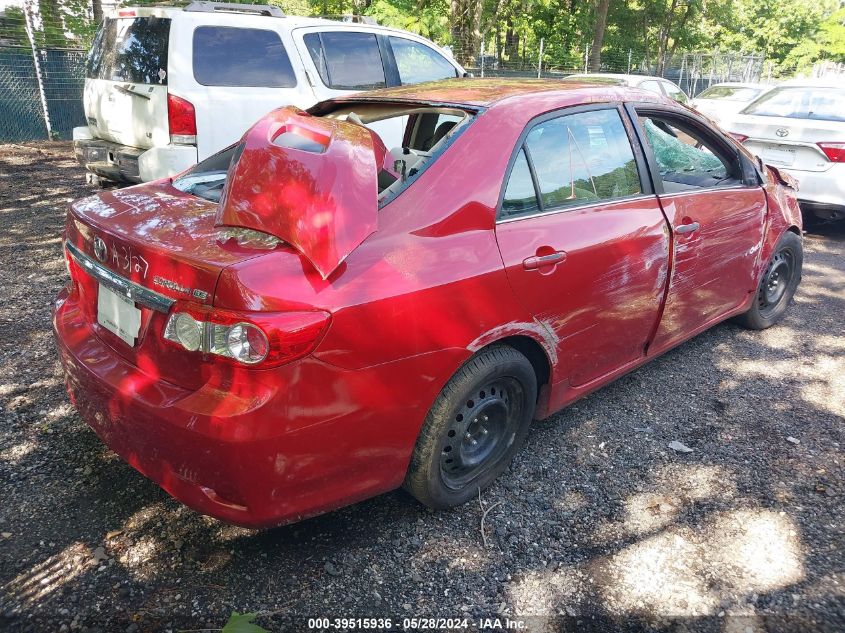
[[407, 624]]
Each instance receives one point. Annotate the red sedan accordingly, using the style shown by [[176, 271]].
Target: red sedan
[[311, 318]]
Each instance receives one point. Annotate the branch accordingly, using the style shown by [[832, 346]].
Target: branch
[[484, 514]]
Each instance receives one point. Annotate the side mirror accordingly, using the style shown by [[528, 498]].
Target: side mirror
[[468, 75]]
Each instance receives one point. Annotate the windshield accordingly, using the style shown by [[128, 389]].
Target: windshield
[[730, 93], [130, 49], [823, 104]]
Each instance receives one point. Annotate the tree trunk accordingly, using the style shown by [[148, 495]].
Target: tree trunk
[[97, 10], [598, 34]]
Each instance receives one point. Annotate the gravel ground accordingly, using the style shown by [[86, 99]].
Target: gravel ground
[[597, 526]]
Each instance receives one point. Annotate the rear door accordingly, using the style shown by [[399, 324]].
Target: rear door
[[125, 95], [716, 219], [234, 71], [583, 239]]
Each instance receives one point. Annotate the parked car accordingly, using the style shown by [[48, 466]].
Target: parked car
[[800, 128], [657, 85], [723, 99], [310, 318], [166, 87]]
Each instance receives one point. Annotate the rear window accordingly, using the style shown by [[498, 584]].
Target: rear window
[[228, 56], [730, 93], [130, 49], [824, 104], [346, 61]]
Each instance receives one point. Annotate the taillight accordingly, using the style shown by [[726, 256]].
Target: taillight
[[255, 338], [835, 152], [738, 137], [182, 120]]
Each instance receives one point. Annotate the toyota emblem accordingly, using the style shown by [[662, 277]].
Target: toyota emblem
[[100, 249], [781, 132]]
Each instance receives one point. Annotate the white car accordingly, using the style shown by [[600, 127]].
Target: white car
[[799, 127], [720, 100], [167, 87], [646, 82]]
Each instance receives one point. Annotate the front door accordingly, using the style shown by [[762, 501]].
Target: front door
[[583, 240], [716, 220]]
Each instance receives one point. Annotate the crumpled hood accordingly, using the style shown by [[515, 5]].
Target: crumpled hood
[[310, 181]]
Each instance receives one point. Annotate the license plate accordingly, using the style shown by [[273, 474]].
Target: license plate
[[118, 315], [778, 156]]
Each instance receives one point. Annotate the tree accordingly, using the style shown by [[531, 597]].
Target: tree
[[602, 7]]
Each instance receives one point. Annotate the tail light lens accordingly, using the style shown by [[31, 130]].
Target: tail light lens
[[835, 152], [182, 120], [261, 339], [741, 138]]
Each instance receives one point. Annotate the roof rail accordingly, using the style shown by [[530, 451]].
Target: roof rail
[[353, 19], [203, 6]]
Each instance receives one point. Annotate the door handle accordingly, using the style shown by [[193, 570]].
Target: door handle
[[537, 261], [687, 228]]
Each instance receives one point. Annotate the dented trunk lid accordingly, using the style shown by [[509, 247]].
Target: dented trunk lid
[[312, 182]]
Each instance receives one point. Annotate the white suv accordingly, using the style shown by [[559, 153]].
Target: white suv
[[167, 87]]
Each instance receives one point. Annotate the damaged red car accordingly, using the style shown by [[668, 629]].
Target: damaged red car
[[311, 318]]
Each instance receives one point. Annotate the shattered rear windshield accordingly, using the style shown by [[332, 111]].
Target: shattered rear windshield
[[414, 135]]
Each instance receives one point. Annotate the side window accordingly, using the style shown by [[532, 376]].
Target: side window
[[418, 63], [228, 56], [674, 92], [346, 60], [651, 85], [686, 159], [520, 195], [583, 157]]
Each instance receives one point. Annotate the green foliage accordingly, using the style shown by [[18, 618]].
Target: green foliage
[[242, 623], [430, 18], [792, 34]]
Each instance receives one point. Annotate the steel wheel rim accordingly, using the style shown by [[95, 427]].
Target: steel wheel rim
[[776, 281], [481, 432]]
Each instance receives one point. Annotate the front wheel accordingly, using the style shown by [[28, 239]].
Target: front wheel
[[474, 428], [777, 286]]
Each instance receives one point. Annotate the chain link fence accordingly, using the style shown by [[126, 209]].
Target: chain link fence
[[43, 48], [22, 103], [693, 71]]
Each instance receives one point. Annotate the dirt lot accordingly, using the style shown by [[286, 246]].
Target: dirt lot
[[597, 526]]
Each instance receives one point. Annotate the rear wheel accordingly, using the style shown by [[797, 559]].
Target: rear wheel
[[474, 428], [777, 286]]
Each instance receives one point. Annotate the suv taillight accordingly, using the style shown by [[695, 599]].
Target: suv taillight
[[264, 339], [182, 120], [835, 152]]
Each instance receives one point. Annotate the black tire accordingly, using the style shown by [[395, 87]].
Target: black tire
[[777, 286], [476, 425]]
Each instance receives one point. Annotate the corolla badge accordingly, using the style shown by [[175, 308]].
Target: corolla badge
[[100, 249], [782, 131]]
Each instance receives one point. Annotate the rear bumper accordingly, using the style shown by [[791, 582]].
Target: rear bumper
[[825, 188], [264, 448], [130, 164], [823, 211]]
